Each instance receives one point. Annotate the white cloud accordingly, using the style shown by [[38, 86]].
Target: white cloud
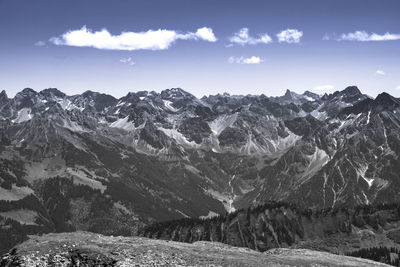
[[380, 72], [150, 40], [127, 60], [290, 36], [242, 38], [40, 43], [398, 87], [243, 60], [363, 36], [206, 34], [324, 88]]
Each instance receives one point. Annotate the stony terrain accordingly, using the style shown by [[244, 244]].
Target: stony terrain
[[88, 249]]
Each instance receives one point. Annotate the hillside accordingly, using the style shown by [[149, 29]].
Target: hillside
[[281, 225], [96, 250]]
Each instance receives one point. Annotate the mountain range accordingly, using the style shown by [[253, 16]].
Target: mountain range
[[96, 163]]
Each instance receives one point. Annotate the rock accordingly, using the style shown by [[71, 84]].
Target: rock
[[97, 250]]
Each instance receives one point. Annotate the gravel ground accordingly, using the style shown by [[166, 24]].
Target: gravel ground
[[89, 249]]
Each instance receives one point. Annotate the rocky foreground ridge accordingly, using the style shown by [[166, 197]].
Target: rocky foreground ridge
[[89, 249]]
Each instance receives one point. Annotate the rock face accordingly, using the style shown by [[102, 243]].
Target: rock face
[[96, 163], [88, 249]]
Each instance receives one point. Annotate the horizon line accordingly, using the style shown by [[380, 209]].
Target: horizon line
[[327, 92]]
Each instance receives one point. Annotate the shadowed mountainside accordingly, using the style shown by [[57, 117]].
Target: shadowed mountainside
[[274, 225]]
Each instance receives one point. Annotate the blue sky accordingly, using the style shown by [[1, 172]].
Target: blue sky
[[323, 46]]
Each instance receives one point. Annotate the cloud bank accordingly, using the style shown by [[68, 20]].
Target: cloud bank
[[243, 60], [149, 40], [380, 72], [242, 37], [363, 36], [289, 36]]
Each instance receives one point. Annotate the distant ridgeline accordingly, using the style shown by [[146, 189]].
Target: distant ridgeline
[[278, 224]]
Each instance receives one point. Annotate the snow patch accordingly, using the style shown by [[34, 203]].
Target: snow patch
[[120, 104], [282, 144], [222, 122], [319, 115], [123, 124], [179, 137], [66, 104], [23, 115], [168, 105], [316, 161], [361, 172], [210, 214], [369, 116]]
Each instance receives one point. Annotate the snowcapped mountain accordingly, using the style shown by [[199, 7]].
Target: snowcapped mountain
[[157, 156]]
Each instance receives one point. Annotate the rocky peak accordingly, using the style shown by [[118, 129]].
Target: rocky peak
[[52, 93], [3, 96], [142, 93], [26, 98], [89, 94], [325, 97], [386, 100], [292, 97], [174, 93], [351, 91], [98, 100], [131, 97], [311, 95], [27, 92], [288, 93]]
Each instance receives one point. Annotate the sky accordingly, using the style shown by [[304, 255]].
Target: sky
[[205, 47]]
